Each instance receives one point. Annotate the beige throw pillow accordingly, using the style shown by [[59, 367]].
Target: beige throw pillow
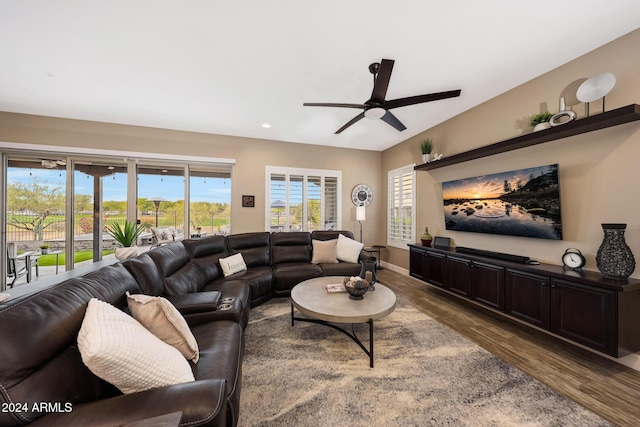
[[118, 349], [232, 264], [163, 320], [324, 252], [348, 250]]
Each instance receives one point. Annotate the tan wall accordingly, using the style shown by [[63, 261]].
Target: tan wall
[[599, 171], [248, 176]]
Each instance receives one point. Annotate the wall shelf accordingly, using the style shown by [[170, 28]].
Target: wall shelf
[[604, 120]]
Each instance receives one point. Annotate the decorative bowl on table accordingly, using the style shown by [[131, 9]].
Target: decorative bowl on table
[[356, 287]]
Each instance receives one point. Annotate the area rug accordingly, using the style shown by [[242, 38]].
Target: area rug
[[425, 374]]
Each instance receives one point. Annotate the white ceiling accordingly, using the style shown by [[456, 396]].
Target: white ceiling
[[228, 67]]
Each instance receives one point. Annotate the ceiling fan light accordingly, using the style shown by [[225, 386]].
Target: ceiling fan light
[[375, 113]]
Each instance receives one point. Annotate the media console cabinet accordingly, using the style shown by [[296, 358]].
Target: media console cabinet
[[582, 307]]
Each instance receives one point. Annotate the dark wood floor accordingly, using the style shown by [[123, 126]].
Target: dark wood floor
[[603, 386]]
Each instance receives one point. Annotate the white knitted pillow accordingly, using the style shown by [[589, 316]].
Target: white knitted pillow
[[348, 250], [118, 349], [163, 319]]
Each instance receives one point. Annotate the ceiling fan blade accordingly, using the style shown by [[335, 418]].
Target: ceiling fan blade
[[382, 80], [329, 104], [411, 100], [393, 121], [350, 122]]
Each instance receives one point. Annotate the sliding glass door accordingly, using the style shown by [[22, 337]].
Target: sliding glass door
[[35, 211], [209, 202], [161, 195], [60, 204], [100, 198]]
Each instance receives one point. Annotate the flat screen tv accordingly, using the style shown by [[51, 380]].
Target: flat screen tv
[[523, 202]]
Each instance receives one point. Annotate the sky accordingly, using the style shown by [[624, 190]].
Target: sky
[[213, 190], [488, 186]]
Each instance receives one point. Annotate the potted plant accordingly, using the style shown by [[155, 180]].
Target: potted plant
[[44, 248], [540, 121], [426, 147], [127, 236]]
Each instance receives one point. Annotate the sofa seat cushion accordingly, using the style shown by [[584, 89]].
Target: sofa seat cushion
[[118, 349], [341, 269], [197, 302], [289, 274], [259, 280], [221, 351]]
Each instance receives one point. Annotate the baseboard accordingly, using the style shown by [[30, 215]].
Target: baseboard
[[395, 268]]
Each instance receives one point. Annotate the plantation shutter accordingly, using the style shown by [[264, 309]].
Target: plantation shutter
[[302, 199], [401, 207]]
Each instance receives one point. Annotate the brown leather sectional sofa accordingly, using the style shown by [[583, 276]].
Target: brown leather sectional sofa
[[43, 381]]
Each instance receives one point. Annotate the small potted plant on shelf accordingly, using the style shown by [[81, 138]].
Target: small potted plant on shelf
[[426, 147], [127, 236], [540, 121], [44, 248]]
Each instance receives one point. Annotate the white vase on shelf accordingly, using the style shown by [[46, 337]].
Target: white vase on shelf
[[426, 158], [541, 126]]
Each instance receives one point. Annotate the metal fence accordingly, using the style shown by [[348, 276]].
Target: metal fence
[[26, 226]]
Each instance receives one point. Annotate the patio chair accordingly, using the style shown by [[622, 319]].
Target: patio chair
[[16, 268]]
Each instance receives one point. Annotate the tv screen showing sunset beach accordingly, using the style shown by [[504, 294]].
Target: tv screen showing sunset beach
[[523, 202]]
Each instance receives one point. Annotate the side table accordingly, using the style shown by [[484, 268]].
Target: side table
[[57, 254], [375, 249]]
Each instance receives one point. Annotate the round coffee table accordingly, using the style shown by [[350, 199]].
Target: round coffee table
[[311, 299]]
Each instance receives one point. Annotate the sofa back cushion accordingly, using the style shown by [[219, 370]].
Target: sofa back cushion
[[41, 361], [206, 254], [291, 247], [179, 275], [330, 234], [254, 247], [146, 273]]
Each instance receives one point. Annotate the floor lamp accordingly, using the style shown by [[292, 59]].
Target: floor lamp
[[360, 216]]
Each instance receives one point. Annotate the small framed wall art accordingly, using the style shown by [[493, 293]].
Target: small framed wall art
[[248, 201]]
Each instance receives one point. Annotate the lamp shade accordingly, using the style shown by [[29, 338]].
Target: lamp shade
[[360, 213]]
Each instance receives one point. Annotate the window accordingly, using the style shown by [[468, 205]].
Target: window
[[302, 199], [401, 205], [64, 198]]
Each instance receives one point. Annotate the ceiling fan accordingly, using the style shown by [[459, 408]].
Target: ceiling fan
[[377, 107]]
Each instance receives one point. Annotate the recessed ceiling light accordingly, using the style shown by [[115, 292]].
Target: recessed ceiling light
[[266, 125]]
